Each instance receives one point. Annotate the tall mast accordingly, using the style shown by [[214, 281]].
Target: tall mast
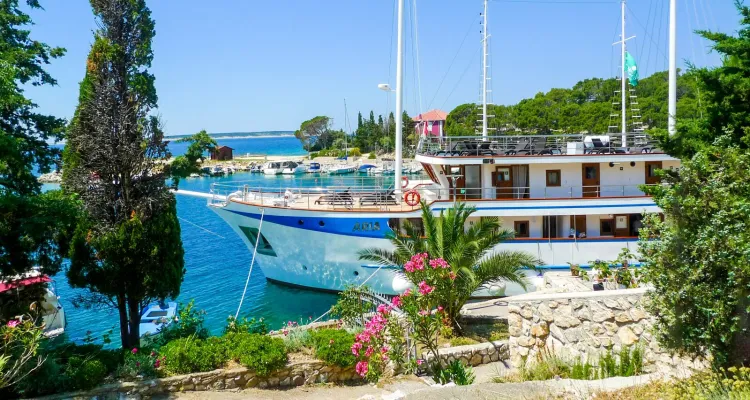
[[484, 72], [346, 131], [623, 81], [672, 109], [399, 93]]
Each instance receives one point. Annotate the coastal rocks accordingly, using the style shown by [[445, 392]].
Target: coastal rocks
[[473, 354], [294, 374], [586, 325]]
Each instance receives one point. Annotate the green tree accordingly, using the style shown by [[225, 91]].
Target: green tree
[[33, 225], [126, 249], [469, 252], [188, 163], [315, 133], [699, 256]]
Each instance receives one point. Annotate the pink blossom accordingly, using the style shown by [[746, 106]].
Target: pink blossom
[[439, 263], [363, 337], [419, 362], [157, 363], [13, 323], [361, 368], [356, 347], [440, 308], [423, 312], [424, 288], [153, 354], [452, 275], [369, 351], [135, 350], [407, 293], [396, 301], [384, 349], [384, 309], [409, 266], [286, 332]]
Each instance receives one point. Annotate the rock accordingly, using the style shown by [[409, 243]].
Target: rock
[[298, 380], [513, 309], [262, 384], [525, 341], [574, 335], [611, 327], [526, 311], [556, 332], [638, 314], [486, 359], [540, 330], [623, 316], [285, 382], [188, 387], [545, 313], [494, 357], [523, 351], [637, 329], [476, 359], [626, 335], [552, 304], [564, 317], [600, 313]]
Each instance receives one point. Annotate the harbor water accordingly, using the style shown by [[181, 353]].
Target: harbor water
[[216, 260]]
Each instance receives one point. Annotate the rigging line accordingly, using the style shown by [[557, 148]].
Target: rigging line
[[200, 227], [658, 40], [413, 56], [715, 26], [690, 27], [705, 17], [416, 50], [644, 28], [650, 45], [648, 21], [612, 49], [555, 2], [700, 38], [390, 58], [461, 77], [473, 20], [358, 287], [252, 262]]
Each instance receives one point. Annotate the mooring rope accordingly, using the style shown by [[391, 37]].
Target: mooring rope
[[252, 262], [200, 227], [358, 287]]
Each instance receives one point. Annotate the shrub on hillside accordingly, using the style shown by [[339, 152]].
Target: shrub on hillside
[[188, 323], [372, 156], [186, 355], [245, 325], [354, 152], [85, 373], [261, 354], [334, 346]]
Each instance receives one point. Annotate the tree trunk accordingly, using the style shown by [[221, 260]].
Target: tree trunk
[[135, 320], [122, 310], [740, 351]]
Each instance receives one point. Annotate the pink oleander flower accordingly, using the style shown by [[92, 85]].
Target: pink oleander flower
[[452, 275], [409, 266], [363, 337], [369, 351], [157, 363], [153, 354], [419, 362], [384, 309], [396, 301], [356, 347], [424, 288], [135, 350], [361, 368], [285, 332], [440, 308], [384, 349], [13, 323], [407, 293], [423, 312], [439, 263]]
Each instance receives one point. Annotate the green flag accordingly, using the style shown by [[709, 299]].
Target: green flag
[[631, 69]]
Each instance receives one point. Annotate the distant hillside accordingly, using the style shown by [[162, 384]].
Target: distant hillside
[[584, 108], [238, 135]]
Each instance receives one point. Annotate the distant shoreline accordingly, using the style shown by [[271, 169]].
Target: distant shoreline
[[238, 135]]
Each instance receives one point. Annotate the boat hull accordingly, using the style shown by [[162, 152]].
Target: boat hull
[[320, 250]]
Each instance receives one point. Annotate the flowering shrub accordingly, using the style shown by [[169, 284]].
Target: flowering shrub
[[333, 346], [19, 343], [139, 363]]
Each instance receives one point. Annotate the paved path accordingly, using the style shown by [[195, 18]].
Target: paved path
[[496, 308]]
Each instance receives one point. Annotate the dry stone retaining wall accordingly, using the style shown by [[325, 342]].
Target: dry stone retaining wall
[[294, 374], [586, 325], [473, 354]]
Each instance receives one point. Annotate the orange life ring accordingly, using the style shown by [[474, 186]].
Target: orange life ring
[[404, 182], [412, 198]]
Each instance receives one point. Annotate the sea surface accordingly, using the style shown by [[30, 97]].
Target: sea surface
[[253, 143], [216, 260]]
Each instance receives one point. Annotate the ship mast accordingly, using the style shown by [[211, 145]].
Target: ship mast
[[484, 72], [623, 80], [672, 109], [399, 94]]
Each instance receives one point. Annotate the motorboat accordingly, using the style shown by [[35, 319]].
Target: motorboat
[[50, 309], [314, 168], [195, 175], [293, 168], [341, 169], [156, 316], [365, 168]]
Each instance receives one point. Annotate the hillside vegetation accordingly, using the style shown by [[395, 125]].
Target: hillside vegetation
[[584, 108]]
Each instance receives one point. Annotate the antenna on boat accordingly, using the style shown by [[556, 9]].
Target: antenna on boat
[[346, 131], [399, 95], [672, 108]]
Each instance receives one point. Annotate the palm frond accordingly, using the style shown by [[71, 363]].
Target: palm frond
[[380, 256], [506, 265]]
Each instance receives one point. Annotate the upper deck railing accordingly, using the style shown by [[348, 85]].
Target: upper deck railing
[[536, 145]]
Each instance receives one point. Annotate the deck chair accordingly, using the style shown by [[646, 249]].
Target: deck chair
[[522, 145], [537, 145], [380, 198]]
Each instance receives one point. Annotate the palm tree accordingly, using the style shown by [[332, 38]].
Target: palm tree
[[470, 252]]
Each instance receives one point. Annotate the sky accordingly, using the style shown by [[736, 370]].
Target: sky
[[250, 65]]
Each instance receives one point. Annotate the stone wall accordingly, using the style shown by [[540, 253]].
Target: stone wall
[[586, 325], [473, 354], [294, 374]]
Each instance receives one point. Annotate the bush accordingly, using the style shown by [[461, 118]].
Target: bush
[[354, 152], [85, 373], [334, 346], [191, 354], [260, 353], [245, 325], [372, 156], [461, 341], [188, 323], [139, 363], [296, 339], [350, 307], [314, 154], [455, 372]]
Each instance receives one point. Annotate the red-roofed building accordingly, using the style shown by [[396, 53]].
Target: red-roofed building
[[222, 153], [430, 123]]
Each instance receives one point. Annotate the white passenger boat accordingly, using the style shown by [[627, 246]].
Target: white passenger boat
[[50, 309], [293, 168], [568, 198], [341, 169], [156, 316]]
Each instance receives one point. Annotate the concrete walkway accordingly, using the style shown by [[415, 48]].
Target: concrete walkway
[[495, 309]]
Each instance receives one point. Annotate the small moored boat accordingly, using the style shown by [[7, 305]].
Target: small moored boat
[[156, 316]]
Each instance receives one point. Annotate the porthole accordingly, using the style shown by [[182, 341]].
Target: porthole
[[356, 273], [321, 223], [304, 267], [300, 222]]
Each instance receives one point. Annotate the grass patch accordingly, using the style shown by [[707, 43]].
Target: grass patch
[[730, 383]]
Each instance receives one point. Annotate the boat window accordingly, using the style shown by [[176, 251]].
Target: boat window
[[263, 246], [521, 228], [553, 177], [394, 224], [417, 224], [154, 314], [607, 227], [589, 172]]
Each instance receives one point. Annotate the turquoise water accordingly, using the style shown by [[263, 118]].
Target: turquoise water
[[217, 261], [285, 144]]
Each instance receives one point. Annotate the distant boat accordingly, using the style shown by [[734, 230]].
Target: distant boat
[[156, 316], [194, 175], [217, 170], [254, 169], [341, 169], [293, 168], [228, 170], [364, 168], [314, 168], [51, 311]]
